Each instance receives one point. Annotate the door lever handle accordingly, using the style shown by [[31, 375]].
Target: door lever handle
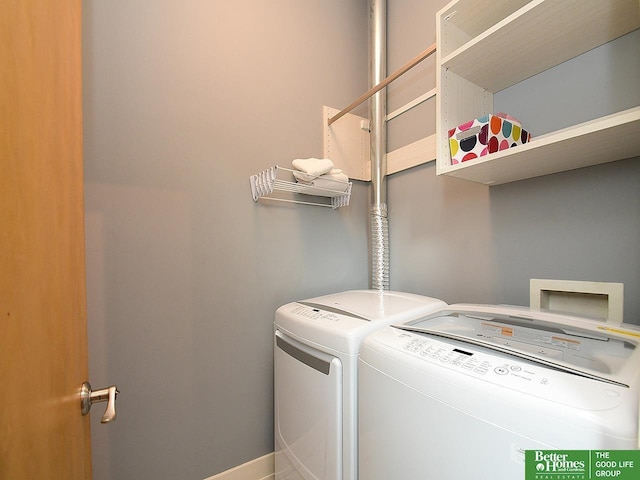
[[88, 397]]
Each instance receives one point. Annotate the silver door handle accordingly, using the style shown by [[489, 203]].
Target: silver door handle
[[89, 397]]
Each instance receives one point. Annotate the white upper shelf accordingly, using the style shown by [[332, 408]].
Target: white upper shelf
[[610, 138], [495, 56]]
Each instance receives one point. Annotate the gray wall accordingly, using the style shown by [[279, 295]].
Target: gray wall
[[464, 242], [439, 228], [183, 102]]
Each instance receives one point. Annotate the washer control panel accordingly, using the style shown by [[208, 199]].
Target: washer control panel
[[467, 359], [504, 370]]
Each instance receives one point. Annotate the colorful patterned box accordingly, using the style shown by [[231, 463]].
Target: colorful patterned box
[[485, 135]]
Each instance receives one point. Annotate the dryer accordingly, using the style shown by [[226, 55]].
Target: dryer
[[316, 347], [463, 393]]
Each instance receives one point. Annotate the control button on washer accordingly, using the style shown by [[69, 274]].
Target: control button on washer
[[501, 370]]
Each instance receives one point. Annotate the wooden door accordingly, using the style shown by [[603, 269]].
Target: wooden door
[[43, 349]]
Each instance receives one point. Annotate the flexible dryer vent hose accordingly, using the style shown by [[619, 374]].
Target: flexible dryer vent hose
[[379, 247]]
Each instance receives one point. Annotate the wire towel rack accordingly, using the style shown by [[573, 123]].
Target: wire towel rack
[[274, 179]]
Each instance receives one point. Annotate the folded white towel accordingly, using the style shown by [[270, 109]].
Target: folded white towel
[[327, 185], [313, 166], [305, 177]]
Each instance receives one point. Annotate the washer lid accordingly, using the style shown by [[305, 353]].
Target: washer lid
[[573, 344]]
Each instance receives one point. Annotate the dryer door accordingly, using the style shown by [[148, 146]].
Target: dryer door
[[308, 413]]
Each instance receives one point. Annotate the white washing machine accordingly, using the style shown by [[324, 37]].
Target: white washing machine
[[316, 347], [463, 393]]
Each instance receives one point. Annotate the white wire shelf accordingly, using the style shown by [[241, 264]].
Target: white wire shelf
[[269, 182]]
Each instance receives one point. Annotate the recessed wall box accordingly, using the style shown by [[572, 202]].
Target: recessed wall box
[[595, 299]]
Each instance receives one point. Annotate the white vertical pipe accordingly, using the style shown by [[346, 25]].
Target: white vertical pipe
[[378, 146]]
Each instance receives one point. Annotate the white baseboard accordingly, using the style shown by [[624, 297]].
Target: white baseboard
[[258, 469]]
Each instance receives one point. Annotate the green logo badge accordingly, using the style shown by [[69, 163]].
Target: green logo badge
[[557, 464], [582, 464]]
